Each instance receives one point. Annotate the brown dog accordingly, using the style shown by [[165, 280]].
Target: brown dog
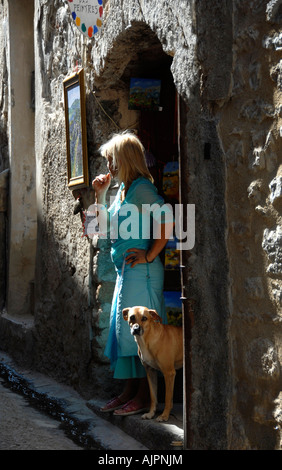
[[160, 347]]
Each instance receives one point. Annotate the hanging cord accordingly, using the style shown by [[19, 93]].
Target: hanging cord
[[104, 111]]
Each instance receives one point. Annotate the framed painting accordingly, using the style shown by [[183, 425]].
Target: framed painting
[[76, 135], [144, 94]]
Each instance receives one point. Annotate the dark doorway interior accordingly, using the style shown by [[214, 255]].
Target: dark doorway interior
[[158, 132]]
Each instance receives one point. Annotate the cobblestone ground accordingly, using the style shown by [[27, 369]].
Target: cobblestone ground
[[25, 428]]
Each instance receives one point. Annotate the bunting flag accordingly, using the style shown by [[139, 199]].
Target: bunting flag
[[87, 15]]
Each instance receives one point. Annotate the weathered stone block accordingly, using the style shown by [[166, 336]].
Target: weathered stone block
[[255, 75], [272, 245], [273, 42], [276, 74], [254, 191], [258, 159], [257, 110], [4, 182], [262, 359], [275, 187], [254, 287], [274, 11], [277, 293]]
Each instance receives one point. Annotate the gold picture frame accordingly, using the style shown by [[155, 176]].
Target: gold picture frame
[[76, 133]]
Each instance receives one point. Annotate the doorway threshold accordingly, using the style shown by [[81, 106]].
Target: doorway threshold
[[151, 433]]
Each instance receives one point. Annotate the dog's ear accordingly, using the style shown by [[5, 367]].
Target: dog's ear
[[125, 313], [155, 315]]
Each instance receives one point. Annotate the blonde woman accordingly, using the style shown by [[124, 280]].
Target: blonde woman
[[134, 251]]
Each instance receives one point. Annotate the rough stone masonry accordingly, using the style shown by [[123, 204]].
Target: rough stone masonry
[[225, 62]]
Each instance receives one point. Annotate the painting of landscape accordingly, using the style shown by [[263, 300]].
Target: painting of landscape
[[144, 94], [76, 135], [75, 132]]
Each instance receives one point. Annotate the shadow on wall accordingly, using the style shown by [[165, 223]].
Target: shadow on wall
[[66, 327]]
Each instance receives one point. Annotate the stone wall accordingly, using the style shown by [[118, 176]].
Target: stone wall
[[74, 277], [249, 128], [4, 155], [66, 309]]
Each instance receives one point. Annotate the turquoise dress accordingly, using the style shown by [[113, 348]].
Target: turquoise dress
[[132, 227]]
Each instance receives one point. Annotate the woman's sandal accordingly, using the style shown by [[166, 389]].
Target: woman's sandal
[[112, 405], [130, 408]]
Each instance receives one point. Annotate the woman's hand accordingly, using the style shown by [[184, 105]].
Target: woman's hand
[[136, 256], [101, 185]]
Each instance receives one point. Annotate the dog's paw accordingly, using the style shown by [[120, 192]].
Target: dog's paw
[[162, 417], [149, 415]]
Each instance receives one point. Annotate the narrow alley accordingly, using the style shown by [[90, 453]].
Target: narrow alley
[[56, 417], [25, 428], [118, 118]]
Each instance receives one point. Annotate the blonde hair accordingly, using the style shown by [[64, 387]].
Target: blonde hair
[[128, 156]]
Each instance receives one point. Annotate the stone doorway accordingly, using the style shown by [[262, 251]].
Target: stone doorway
[[140, 55], [158, 133]]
